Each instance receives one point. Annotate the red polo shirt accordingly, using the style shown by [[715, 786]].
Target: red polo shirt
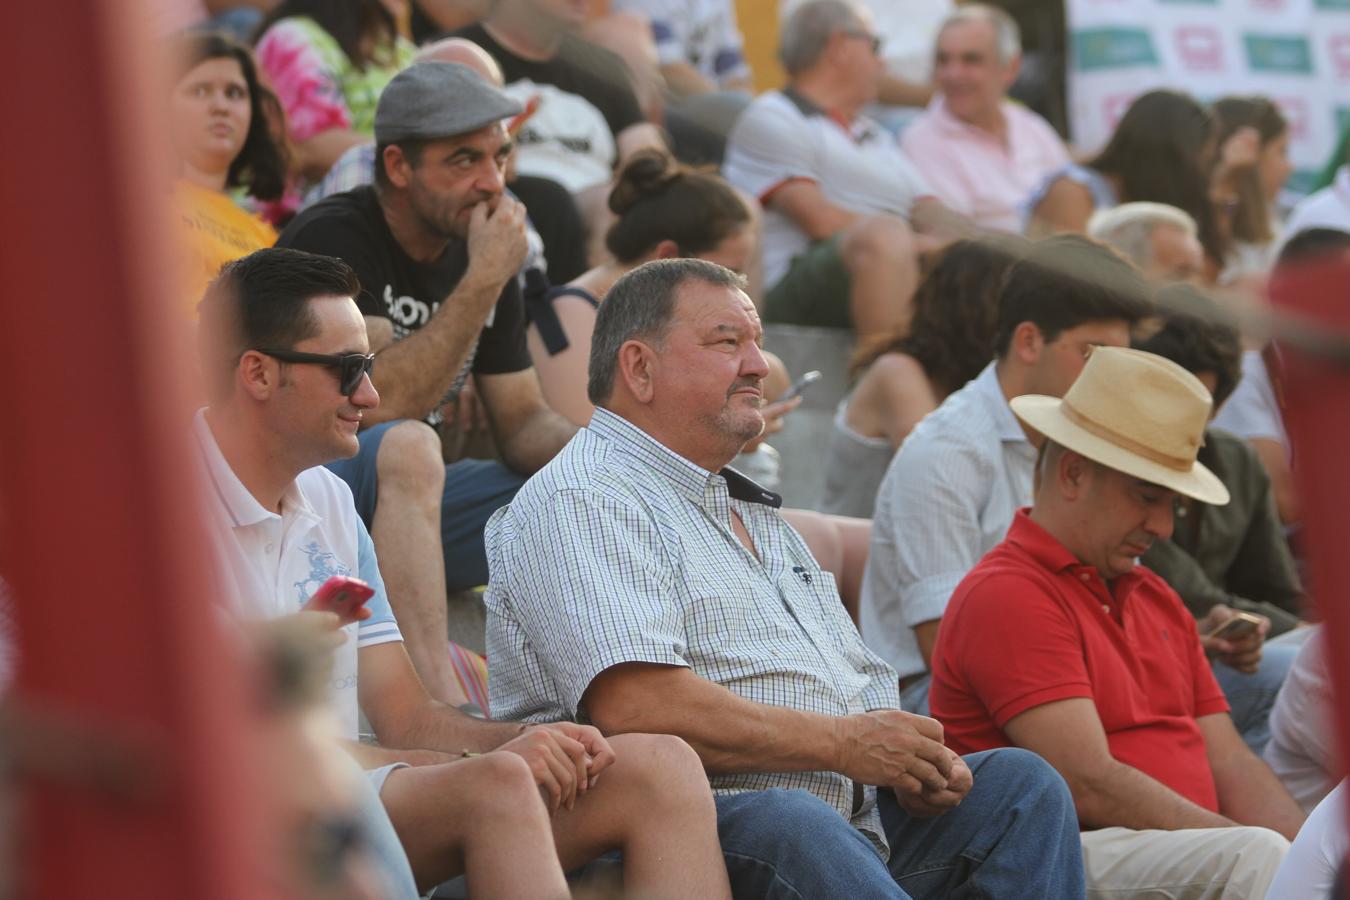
[[1031, 624]]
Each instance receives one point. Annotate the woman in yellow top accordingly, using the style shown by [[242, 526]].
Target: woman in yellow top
[[223, 124]]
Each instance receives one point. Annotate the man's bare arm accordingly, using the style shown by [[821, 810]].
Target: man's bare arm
[[804, 203], [1106, 792], [732, 734], [683, 80], [414, 374], [405, 716], [528, 433], [1249, 792]]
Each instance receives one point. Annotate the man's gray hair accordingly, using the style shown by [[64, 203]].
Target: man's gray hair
[[1129, 228], [808, 28], [1007, 36], [641, 306]]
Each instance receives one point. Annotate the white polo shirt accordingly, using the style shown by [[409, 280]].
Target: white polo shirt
[[273, 563], [782, 137]]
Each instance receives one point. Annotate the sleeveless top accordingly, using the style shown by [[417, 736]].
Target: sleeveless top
[[854, 467], [539, 297]]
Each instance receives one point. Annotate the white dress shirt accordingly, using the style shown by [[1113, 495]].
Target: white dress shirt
[[947, 499]]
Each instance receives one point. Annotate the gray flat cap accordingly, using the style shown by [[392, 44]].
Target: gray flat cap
[[431, 100]]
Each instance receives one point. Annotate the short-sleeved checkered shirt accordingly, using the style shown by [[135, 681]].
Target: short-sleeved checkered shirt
[[620, 550]]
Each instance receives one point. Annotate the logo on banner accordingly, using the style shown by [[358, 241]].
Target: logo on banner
[[1113, 48], [1200, 47], [1278, 53], [1268, 5], [1338, 48], [1332, 4]]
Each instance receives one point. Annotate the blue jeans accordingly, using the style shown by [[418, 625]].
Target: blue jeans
[[1251, 697], [474, 490], [1015, 835]]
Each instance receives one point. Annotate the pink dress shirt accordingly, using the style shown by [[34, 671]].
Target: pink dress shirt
[[975, 173]]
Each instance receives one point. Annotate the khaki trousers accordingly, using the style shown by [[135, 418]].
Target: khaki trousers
[[1189, 864]]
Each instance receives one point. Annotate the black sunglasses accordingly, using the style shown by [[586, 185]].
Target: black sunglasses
[[350, 366]]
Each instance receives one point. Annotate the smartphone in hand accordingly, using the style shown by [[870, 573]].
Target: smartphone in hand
[[1235, 629], [800, 385], [343, 595]]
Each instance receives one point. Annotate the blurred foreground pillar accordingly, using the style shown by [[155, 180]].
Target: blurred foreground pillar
[[102, 544], [1312, 377]]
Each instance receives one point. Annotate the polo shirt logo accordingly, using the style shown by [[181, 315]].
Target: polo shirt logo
[[323, 565]]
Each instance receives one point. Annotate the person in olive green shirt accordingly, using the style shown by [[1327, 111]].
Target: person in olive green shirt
[[1237, 554]]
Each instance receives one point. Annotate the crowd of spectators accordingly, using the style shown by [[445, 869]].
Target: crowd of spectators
[[1047, 634]]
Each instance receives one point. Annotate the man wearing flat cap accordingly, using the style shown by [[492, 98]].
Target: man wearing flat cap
[[1058, 641], [436, 244]]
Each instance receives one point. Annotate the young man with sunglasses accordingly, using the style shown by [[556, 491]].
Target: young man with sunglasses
[[284, 347]]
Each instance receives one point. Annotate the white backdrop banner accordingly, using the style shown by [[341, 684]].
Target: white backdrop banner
[[1296, 52]]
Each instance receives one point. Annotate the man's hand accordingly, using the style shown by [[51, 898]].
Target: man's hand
[[1244, 653], [927, 804], [895, 749], [561, 757], [465, 413], [496, 242]]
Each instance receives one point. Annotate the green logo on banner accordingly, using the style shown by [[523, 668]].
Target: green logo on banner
[[1332, 4], [1278, 53], [1113, 48]]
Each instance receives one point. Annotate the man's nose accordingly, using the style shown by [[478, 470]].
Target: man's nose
[[491, 178], [754, 362], [365, 396], [1159, 522]]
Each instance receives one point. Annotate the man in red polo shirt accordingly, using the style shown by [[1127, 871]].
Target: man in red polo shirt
[[1060, 643]]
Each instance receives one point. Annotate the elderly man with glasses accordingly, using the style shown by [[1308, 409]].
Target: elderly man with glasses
[[842, 205]]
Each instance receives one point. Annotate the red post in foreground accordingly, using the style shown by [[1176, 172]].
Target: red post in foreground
[[1315, 388], [102, 543]]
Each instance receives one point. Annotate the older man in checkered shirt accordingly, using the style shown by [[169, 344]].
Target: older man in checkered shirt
[[639, 585]]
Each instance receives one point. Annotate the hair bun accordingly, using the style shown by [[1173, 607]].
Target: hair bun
[[646, 174]]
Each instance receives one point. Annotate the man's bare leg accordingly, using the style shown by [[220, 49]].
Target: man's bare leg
[[653, 804], [883, 265], [482, 818], [407, 536]]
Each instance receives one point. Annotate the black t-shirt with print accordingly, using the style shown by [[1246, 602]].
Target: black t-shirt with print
[[396, 287], [580, 67]]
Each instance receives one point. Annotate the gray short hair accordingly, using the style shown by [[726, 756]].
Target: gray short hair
[[808, 29], [1129, 228], [1007, 36], [641, 306]]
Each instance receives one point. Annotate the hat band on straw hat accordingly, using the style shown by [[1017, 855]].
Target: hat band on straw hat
[[1177, 463]]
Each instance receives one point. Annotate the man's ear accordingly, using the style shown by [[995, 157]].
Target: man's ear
[[1010, 75], [1073, 473], [1027, 343], [257, 375], [636, 364], [396, 166]]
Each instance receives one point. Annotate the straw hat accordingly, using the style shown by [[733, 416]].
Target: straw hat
[[1136, 413]]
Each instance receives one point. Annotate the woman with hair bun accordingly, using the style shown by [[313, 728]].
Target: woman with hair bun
[[664, 210]]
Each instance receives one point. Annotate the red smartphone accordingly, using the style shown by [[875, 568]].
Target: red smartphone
[[343, 595]]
